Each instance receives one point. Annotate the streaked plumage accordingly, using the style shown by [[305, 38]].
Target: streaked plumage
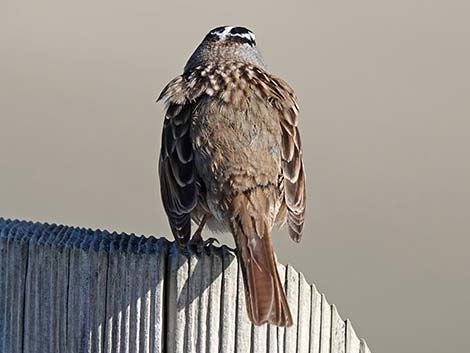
[[231, 152]]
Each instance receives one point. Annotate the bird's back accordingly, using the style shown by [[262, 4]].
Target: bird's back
[[236, 146]]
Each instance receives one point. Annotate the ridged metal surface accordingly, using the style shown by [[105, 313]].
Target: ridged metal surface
[[66, 289]]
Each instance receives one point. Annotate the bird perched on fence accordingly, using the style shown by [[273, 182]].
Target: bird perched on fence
[[231, 159]]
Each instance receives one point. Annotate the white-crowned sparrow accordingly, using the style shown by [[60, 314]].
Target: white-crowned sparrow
[[231, 158]]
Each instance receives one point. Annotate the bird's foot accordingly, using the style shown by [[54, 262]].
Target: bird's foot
[[198, 245]]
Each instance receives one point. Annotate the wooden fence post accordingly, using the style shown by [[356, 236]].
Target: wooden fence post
[[66, 289]]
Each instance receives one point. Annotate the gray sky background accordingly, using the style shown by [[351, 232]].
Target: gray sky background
[[384, 89]]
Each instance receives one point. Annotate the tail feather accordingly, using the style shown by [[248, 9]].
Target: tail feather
[[265, 298]]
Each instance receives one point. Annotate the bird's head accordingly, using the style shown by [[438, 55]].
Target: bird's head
[[231, 35], [226, 44]]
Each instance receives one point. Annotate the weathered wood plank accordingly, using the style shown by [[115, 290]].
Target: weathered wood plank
[[21, 255], [228, 309], [84, 299], [352, 341], [134, 298], [10, 290], [325, 329], [157, 263], [364, 348], [338, 332], [273, 339], [3, 281], [304, 314], [99, 268], [143, 297], [177, 298], [55, 289], [244, 326], [192, 304], [9, 344], [62, 255], [260, 336], [215, 304], [204, 276], [34, 322], [112, 330], [292, 292], [315, 320], [65, 289]]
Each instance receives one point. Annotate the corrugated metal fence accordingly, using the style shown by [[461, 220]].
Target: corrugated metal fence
[[66, 289]]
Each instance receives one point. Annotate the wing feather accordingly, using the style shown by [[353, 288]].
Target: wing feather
[[176, 169], [291, 154]]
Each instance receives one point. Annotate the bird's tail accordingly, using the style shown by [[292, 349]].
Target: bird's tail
[[265, 298]]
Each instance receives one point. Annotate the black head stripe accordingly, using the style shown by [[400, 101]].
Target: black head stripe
[[212, 37], [240, 30], [231, 34], [218, 30], [215, 34], [242, 35]]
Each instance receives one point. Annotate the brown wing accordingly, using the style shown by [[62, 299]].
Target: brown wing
[[291, 154], [176, 169], [294, 175]]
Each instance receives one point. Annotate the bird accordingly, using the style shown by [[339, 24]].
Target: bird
[[231, 160]]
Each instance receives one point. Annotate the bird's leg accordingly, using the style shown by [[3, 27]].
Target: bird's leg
[[197, 236], [196, 240]]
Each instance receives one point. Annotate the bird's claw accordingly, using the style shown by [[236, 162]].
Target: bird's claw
[[198, 245]]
